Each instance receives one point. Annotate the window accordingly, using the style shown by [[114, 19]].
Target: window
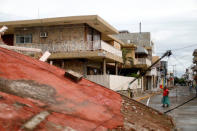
[[23, 39]]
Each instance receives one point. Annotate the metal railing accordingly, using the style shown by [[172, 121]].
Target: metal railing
[[72, 46]]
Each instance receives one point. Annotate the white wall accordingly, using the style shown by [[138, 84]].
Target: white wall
[[111, 49], [99, 79], [115, 82]]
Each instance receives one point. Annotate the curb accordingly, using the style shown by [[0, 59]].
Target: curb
[[147, 96]]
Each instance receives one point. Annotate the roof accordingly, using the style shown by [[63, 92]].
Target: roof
[[140, 39], [36, 95], [93, 20]]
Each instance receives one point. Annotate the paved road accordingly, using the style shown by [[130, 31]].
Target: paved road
[[185, 116]]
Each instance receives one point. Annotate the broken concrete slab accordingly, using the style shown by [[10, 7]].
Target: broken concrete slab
[[73, 75], [31, 124]]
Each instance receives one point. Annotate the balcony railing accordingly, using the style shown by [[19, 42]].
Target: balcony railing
[[143, 61], [71, 46]]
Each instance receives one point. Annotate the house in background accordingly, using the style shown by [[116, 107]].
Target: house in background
[[164, 72], [142, 55], [155, 72], [82, 43]]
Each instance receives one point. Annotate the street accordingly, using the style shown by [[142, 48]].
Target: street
[[185, 116]]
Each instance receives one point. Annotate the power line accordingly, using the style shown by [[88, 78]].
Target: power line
[[181, 64], [177, 49], [185, 47]]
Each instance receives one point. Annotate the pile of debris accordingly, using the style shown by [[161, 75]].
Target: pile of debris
[[35, 95]]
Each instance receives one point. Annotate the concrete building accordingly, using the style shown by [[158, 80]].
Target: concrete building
[[139, 49], [155, 72], [164, 71], [82, 43]]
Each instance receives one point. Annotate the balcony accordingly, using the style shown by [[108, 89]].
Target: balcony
[[194, 68], [72, 46], [143, 61], [152, 72], [107, 47]]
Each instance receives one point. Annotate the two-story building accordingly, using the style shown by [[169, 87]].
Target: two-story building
[[140, 47], [81, 43]]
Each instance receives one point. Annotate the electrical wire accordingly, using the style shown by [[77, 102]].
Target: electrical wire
[[179, 61], [178, 49], [184, 47], [180, 105]]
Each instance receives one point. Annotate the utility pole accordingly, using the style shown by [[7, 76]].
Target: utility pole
[[173, 66], [140, 27]]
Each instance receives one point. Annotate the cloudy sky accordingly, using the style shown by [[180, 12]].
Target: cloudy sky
[[172, 23]]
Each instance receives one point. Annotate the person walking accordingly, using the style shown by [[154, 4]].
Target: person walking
[[165, 99]]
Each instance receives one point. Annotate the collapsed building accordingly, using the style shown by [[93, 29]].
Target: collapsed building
[[35, 95]]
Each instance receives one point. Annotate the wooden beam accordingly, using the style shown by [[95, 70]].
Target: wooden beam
[[73, 75]]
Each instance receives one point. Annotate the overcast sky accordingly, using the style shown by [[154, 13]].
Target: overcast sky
[[172, 23]]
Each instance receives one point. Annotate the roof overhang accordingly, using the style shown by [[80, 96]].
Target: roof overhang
[[94, 21], [111, 38], [141, 50]]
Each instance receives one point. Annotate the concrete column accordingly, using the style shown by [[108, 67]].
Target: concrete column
[[85, 68], [116, 68], [133, 53], [152, 82], [142, 84], [51, 62], [104, 66]]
